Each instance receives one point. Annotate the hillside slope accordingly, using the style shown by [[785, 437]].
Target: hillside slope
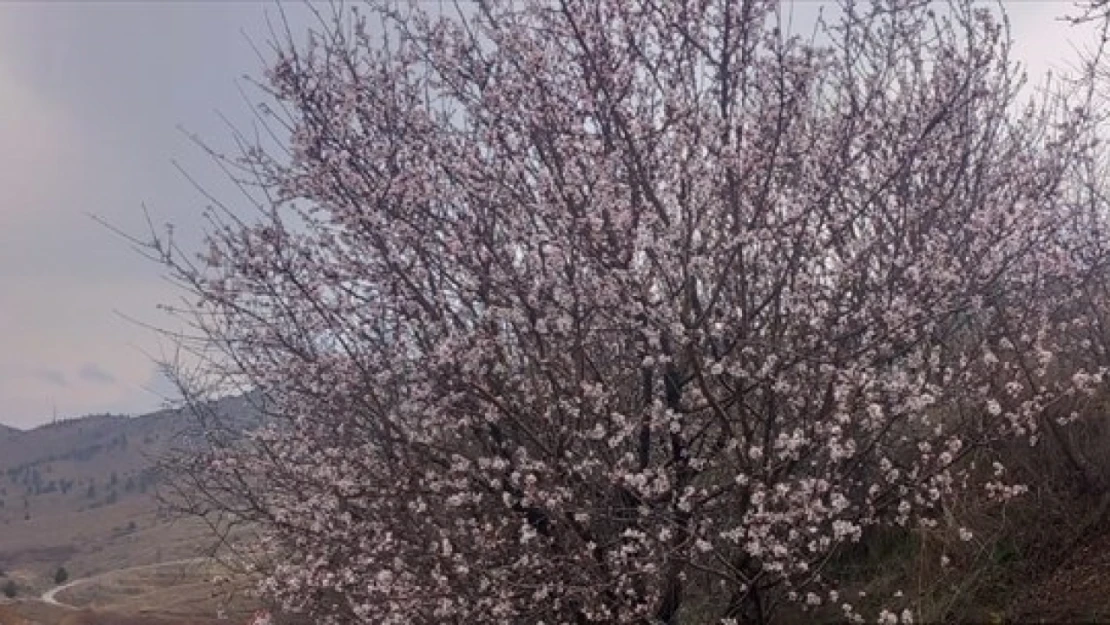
[[82, 493]]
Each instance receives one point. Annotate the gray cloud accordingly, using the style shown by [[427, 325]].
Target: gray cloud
[[91, 372], [51, 376]]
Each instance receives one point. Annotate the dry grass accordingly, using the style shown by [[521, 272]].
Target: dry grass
[[176, 594], [178, 590], [10, 616]]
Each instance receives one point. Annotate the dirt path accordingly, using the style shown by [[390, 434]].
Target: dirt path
[[50, 596]]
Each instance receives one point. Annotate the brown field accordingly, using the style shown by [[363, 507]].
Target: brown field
[[29, 613], [184, 589], [172, 594]]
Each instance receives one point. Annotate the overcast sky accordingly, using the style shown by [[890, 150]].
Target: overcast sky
[[92, 96]]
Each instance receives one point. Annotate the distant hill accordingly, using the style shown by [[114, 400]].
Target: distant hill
[[81, 492]]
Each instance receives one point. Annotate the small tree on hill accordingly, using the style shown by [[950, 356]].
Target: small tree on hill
[[61, 575], [588, 311], [10, 589]]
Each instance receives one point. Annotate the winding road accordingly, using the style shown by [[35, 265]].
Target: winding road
[[50, 596]]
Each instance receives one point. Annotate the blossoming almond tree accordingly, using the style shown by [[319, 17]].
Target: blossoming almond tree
[[616, 311]]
